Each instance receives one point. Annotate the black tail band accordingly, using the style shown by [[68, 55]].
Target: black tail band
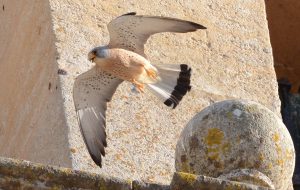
[[182, 86]]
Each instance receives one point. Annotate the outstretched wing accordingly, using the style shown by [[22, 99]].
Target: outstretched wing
[[91, 92], [131, 31]]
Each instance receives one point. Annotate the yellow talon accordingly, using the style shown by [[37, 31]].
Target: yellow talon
[[141, 88], [138, 85], [151, 73]]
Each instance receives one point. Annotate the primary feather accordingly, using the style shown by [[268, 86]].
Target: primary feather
[[92, 90]]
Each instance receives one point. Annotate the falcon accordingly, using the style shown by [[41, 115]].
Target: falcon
[[124, 59]]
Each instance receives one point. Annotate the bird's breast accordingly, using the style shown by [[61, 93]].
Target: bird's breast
[[121, 67], [126, 65]]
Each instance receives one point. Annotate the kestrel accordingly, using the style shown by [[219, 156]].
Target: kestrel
[[124, 59]]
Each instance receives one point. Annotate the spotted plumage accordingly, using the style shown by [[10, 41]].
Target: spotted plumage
[[124, 59]]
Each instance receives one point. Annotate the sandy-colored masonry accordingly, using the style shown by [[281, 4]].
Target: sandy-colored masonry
[[32, 121], [231, 59]]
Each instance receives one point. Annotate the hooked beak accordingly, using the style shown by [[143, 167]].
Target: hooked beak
[[92, 56]]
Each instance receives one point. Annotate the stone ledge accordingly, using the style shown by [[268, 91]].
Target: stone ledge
[[20, 174], [138, 185], [26, 175], [185, 181]]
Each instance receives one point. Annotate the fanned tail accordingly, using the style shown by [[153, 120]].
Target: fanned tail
[[174, 83]]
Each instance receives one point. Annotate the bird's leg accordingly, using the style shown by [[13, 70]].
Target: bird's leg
[[138, 85], [151, 73]]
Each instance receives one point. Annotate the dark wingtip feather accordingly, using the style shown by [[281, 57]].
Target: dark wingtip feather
[[168, 102], [104, 143], [197, 26], [182, 87], [97, 160], [127, 14]]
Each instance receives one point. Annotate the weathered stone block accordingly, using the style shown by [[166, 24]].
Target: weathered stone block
[[231, 59], [139, 185], [250, 176], [16, 174], [32, 115], [185, 181]]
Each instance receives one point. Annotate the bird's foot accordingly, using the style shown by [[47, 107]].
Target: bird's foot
[[134, 89], [139, 86], [151, 73]]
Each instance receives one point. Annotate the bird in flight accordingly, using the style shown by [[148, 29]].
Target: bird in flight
[[124, 59]]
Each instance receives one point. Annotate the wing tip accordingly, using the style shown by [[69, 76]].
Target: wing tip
[[128, 14], [97, 160], [197, 26]]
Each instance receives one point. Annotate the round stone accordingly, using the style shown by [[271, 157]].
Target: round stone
[[237, 134]]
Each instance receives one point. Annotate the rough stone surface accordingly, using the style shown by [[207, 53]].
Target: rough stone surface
[[139, 185], [237, 134], [250, 176], [185, 181], [16, 174], [32, 121], [231, 59]]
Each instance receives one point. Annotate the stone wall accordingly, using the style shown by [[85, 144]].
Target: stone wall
[[231, 59], [32, 121]]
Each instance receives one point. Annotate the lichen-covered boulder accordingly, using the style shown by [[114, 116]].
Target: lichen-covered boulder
[[237, 134]]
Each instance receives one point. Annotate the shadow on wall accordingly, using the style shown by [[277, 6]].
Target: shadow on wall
[[290, 110], [284, 25]]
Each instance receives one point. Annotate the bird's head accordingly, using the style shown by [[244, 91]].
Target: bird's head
[[98, 53]]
